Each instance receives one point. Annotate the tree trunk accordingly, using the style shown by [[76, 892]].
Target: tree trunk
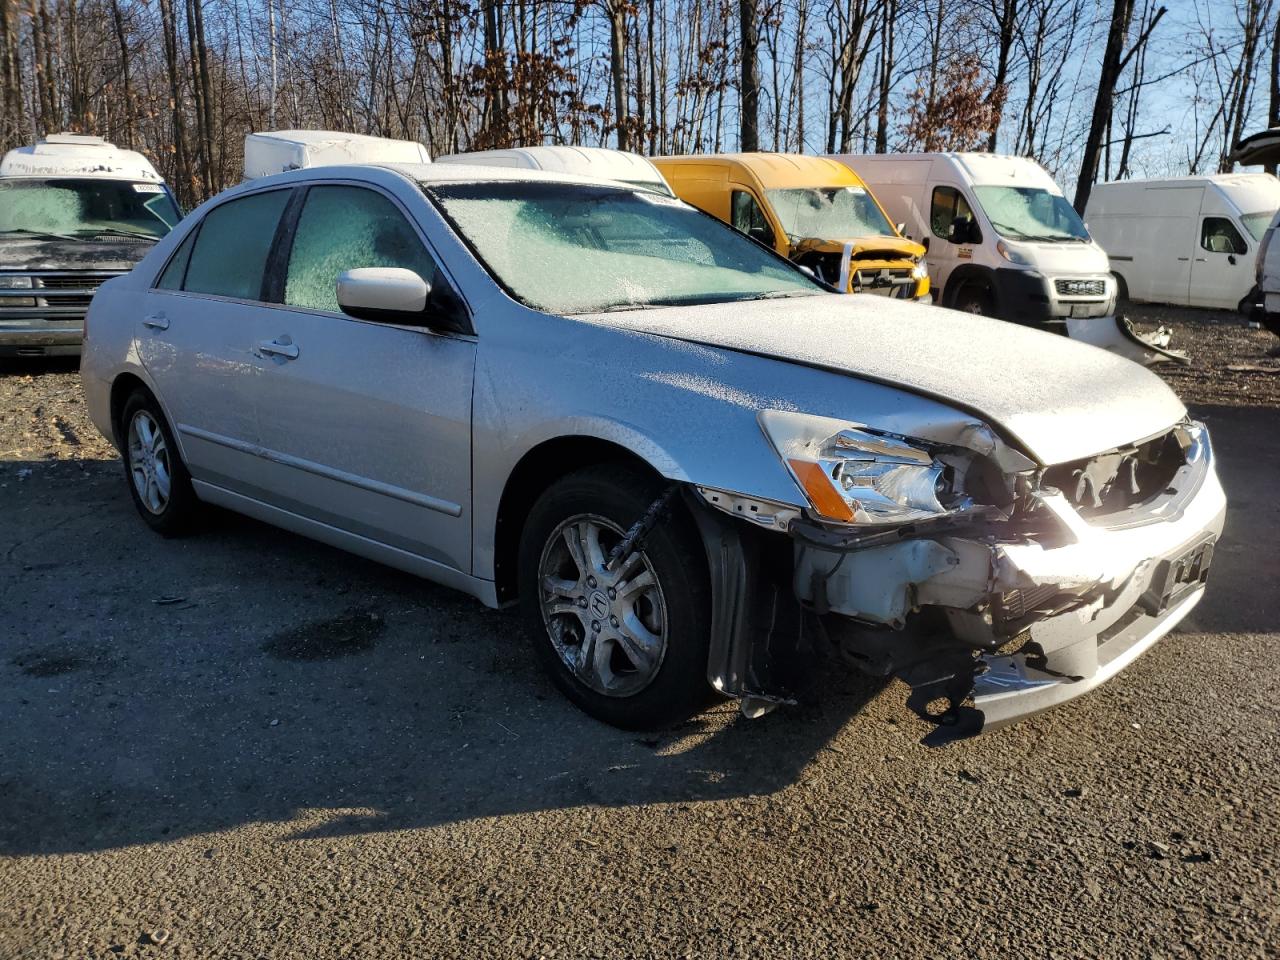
[[1005, 24], [1121, 15], [618, 69], [749, 85]]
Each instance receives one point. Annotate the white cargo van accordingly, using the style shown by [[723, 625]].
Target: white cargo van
[[618, 165], [75, 211], [1002, 239], [276, 151], [1191, 241]]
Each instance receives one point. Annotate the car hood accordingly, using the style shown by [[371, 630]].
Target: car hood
[[1058, 399], [35, 254], [889, 248]]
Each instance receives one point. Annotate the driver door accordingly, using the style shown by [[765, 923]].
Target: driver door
[[946, 203], [1221, 268], [367, 425]]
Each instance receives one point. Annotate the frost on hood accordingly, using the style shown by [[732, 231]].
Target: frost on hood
[[595, 255], [344, 228]]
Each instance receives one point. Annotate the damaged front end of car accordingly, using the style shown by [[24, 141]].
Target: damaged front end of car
[[993, 586]]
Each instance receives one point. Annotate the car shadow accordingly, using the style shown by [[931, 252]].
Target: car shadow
[[156, 689]]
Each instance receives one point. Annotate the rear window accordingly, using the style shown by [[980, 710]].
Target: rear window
[[230, 253]]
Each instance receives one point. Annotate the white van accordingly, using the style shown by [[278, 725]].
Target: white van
[[1003, 241], [277, 151], [1191, 241], [75, 211], [601, 162]]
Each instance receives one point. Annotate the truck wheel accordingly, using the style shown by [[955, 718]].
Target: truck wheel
[[1122, 293], [973, 299], [158, 479], [628, 645]]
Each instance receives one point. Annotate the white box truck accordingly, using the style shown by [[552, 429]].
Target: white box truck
[[277, 151], [618, 165], [75, 211], [1002, 239], [1190, 241]]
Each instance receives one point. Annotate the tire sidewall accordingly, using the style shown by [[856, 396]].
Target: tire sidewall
[[680, 687], [179, 512]]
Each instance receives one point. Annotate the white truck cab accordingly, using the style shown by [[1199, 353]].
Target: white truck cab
[[1003, 241], [1191, 241], [75, 211], [599, 162], [278, 151]]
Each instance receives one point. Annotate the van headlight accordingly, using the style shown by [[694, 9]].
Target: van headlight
[[851, 474], [1012, 254]]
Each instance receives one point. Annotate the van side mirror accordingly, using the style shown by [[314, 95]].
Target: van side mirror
[[964, 230]]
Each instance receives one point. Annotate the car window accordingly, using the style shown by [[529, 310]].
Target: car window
[[342, 228], [1219, 235], [948, 203], [174, 273], [750, 219], [230, 252]]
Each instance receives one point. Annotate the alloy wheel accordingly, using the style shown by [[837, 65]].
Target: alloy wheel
[[149, 462], [607, 624]]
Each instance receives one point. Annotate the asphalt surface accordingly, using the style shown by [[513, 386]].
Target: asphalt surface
[[245, 744]]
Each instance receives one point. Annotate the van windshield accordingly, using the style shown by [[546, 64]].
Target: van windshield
[[1257, 223], [81, 208], [829, 213], [570, 248], [1031, 213]]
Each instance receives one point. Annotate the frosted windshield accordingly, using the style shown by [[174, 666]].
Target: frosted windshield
[[1256, 223], [829, 213], [84, 208], [1031, 213], [570, 249]]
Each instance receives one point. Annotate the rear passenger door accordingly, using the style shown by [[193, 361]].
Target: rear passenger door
[[366, 425], [198, 335]]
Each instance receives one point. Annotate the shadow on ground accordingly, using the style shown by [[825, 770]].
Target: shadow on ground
[[154, 689]]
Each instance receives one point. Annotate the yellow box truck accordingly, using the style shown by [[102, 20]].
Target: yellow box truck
[[809, 209]]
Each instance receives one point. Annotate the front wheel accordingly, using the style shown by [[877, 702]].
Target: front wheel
[[627, 642], [975, 300]]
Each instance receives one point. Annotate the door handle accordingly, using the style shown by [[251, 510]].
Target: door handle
[[276, 348], [1184, 259], [156, 321]]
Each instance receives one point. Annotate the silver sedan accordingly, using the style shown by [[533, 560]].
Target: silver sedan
[[696, 469]]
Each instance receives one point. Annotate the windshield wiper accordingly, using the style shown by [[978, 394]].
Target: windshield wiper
[[619, 307], [775, 295], [42, 234], [116, 232]]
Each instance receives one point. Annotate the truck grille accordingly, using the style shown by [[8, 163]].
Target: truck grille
[[1080, 288], [70, 282]]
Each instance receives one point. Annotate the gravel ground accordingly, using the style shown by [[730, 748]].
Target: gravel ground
[[244, 744]]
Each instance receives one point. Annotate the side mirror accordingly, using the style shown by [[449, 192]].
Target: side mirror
[[963, 230], [901, 228], [384, 294]]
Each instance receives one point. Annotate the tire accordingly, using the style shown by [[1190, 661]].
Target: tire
[[622, 676], [973, 299], [1122, 293], [152, 464]]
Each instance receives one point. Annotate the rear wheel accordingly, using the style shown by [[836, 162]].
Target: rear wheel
[[158, 479], [627, 642]]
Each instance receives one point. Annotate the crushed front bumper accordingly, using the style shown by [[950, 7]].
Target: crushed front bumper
[[984, 627], [60, 335]]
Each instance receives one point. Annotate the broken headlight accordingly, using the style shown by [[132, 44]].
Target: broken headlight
[[852, 475]]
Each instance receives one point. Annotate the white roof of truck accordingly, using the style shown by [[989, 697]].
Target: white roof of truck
[[981, 169], [598, 162], [276, 151], [1249, 192], [75, 155]]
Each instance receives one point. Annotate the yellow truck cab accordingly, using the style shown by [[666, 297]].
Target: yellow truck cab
[[808, 209]]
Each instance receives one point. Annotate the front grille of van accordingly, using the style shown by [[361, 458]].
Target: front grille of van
[[1080, 288]]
